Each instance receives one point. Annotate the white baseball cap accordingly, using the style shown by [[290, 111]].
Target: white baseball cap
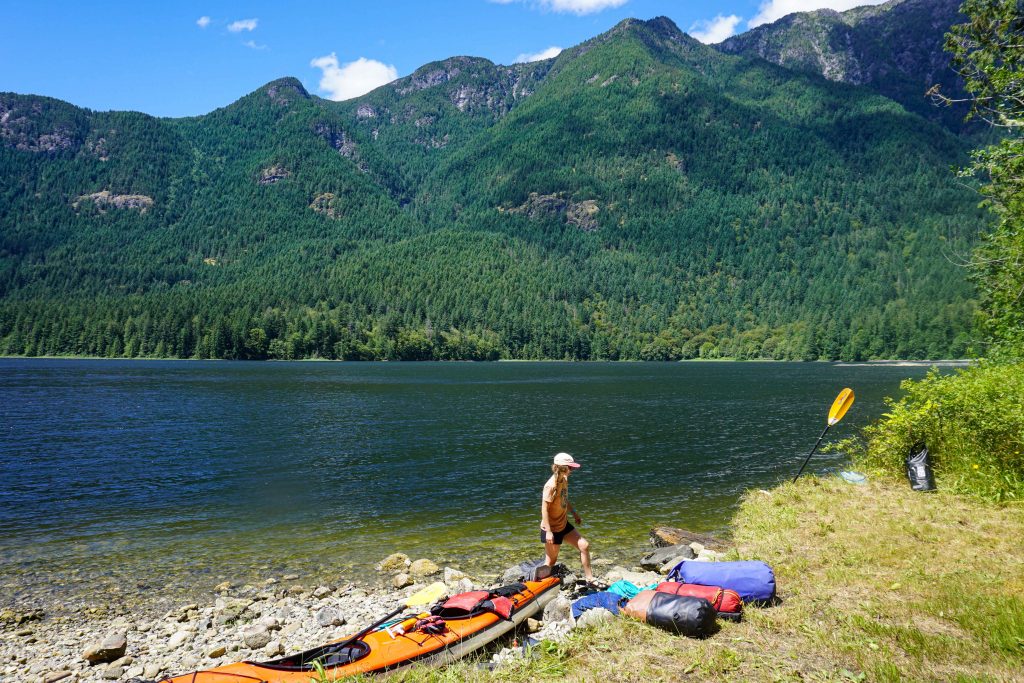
[[566, 460]]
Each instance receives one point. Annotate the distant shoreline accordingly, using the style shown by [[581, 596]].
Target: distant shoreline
[[954, 362]]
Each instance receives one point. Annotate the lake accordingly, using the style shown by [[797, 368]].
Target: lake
[[166, 477]]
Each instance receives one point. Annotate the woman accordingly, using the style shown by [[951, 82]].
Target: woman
[[554, 515]]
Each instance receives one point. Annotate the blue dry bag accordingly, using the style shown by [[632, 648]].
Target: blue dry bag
[[753, 580]]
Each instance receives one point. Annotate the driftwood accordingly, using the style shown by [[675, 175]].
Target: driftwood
[[662, 536]]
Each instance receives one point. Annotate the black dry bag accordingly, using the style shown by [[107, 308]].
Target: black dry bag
[[919, 468]]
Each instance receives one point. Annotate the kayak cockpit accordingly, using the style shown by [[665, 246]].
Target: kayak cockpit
[[328, 656]]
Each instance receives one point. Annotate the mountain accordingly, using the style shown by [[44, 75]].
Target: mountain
[[640, 196], [895, 48]]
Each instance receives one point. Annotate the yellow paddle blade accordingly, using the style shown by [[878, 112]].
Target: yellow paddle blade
[[431, 593], [839, 407]]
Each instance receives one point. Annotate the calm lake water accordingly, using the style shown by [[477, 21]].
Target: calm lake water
[[160, 476]]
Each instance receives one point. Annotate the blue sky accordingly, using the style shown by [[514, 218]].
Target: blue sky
[[188, 58]]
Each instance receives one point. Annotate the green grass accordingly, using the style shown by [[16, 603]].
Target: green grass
[[878, 583]]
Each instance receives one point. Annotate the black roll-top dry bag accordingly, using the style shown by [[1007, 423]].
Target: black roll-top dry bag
[[919, 468]]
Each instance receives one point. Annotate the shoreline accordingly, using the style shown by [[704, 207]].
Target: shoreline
[[889, 362]]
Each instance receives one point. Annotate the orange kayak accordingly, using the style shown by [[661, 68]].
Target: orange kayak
[[392, 648]]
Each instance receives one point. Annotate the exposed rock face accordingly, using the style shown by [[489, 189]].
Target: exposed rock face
[[105, 200], [895, 48], [327, 204], [365, 111], [274, 174], [338, 139], [582, 214], [284, 91], [24, 125]]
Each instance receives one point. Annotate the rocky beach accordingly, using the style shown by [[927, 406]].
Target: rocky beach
[[142, 639]]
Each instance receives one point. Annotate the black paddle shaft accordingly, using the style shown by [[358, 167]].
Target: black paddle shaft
[[369, 628], [827, 427]]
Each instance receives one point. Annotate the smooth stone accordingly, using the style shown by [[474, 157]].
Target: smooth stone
[[134, 672], [697, 548], [151, 671], [55, 676], [394, 562], [216, 652], [112, 673], [423, 567], [329, 616], [322, 592], [559, 609], [654, 560], [593, 617], [222, 587], [289, 577], [274, 648], [256, 637], [532, 625], [178, 639], [272, 623], [637, 578], [401, 580], [453, 575]]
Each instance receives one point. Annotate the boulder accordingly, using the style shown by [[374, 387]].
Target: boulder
[[662, 536], [256, 637], [422, 568], [453, 575], [178, 639], [655, 559], [559, 609], [329, 616], [593, 617], [396, 562], [640, 579], [113, 647]]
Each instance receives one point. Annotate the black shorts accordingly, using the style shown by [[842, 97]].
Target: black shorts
[[559, 535]]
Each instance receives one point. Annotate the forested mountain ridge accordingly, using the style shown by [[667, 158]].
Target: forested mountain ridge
[[639, 196], [895, 48]]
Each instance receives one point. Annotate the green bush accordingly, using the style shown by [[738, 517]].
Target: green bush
[[972, 422]]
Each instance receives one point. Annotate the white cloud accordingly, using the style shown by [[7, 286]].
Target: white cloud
[[253, 45], [770, 10], [715, 30], [243, 25], [203, 22], [345, 81], [552, 51], [580, 7]]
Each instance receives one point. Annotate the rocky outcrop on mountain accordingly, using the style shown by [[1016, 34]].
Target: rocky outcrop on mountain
[[284, 91], [582, 215], [34, 124], [104, 200], [326, 204], [273, 174], [895, 48]]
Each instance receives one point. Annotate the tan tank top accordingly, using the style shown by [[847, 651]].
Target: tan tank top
[[556, 497]]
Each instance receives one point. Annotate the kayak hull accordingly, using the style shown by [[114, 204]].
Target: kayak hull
[[462, 636]]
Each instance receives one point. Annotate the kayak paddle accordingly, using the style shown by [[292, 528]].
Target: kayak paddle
[[839, 407], [431, 593]]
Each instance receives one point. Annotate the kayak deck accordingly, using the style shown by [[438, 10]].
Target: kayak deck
[[381, 651]]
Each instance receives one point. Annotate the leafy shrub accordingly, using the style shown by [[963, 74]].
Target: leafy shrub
[[972, 422]]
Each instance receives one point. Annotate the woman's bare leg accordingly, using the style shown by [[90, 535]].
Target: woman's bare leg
[[583, 545]]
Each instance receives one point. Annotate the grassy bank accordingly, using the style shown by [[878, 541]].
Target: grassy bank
[[878, 583]]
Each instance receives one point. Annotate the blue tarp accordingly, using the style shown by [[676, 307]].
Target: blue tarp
[[606, 599]]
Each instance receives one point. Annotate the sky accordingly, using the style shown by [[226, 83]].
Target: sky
[[189, 58]]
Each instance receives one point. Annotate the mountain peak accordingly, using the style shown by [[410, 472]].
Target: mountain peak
[[284, 91]]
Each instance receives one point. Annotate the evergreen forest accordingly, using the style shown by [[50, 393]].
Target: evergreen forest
[[640, 196]]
